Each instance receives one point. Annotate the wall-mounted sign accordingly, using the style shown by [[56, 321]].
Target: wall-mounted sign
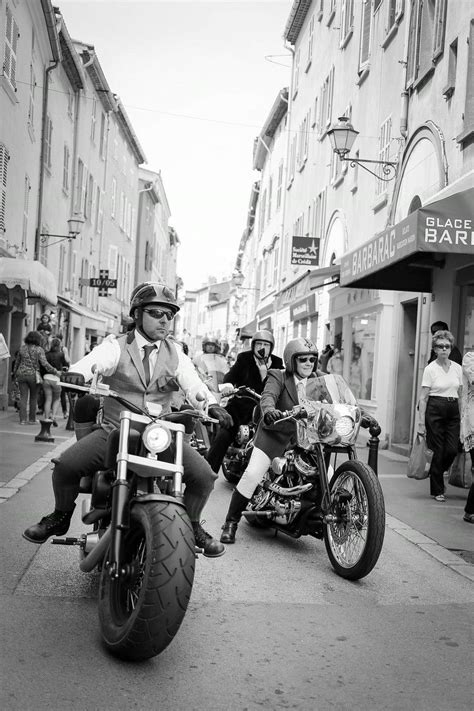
[[102, 282], [305, 250], [304, 308]]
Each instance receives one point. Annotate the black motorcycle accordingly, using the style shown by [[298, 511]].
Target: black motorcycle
[[142, 540], [240, 449], [297, 497]]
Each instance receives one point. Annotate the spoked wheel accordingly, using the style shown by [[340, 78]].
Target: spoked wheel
[[354, 540], [140, 613]]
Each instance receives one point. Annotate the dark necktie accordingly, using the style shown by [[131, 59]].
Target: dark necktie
[[146, 361]]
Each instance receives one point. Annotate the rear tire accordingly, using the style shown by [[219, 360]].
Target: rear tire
[[354, 541], [139, 616]]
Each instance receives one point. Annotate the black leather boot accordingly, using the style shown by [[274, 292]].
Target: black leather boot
[[56, 524], [237, 504]]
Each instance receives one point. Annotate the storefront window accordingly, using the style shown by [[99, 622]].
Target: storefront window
[[362, 355], [468, 318]]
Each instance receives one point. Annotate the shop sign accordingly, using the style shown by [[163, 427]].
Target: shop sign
[[303, 308], [305, 250], [446, 226]]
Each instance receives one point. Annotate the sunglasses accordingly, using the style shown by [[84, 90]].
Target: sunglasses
[[306, 359], [159, 313], [443, 348]]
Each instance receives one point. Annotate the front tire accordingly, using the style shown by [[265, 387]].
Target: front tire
[[354, 540], [140, 615]]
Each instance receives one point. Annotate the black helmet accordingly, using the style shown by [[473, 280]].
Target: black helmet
[[266, 336], [151, 292], [210, 341], [296, 347]]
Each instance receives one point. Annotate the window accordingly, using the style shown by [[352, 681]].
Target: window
[[26, 204], [102, 135], [270, 191], [394, 13], [262, 213], [70, 104], [303, 135], [276, 253], [319, 215], [115, 153], [89, 198], [468, 124], [365, 35], [113, 253], [66, 162], [309, 56], [361, 369], [347, 22], [31, 101], [385, 139], [99, 221], [296, 72], [448, 90], [80, 187], [279, 187], [84, 275], [319, 9], [61, 268], [113, 198], [292, 160], [314, 121], [93, 118], [48, 138], [325, 107], [11, 44], [426, 37]]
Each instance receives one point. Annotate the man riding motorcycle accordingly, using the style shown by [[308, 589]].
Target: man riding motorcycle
[[283, 390], [250, 369], [142, 365], [211, 365]]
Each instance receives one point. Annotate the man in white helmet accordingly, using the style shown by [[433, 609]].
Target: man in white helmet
[[250, 369], [142, 365], [211, 365]]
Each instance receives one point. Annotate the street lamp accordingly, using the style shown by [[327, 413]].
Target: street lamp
[[342, 137], [238, 279], [75, 226]]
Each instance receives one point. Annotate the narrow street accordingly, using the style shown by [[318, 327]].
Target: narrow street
[[270, 626]]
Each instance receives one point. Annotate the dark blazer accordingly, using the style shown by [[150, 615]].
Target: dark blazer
[[245, 372], [280, 393]]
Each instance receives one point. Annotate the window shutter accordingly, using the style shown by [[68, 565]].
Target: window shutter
[[439, 28], [413, 42], [366, 25], [11, 44], [4, 158]]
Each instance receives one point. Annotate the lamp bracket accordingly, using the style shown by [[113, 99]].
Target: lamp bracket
[[389, 168], [44, 237]]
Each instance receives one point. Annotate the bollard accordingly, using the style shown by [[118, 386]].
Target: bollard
[[373, 445], [45, 434]]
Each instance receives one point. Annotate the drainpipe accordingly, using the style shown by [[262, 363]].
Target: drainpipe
[[47, 71]]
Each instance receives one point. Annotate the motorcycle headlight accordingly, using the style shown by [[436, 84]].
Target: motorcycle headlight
[[344, 426], [156, 438]]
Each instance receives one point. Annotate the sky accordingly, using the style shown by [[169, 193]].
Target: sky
[[198, 80]]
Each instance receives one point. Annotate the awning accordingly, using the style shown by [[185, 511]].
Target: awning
[[402, 257], [248, 330], [95, 320], [325, 276], [31, 276]]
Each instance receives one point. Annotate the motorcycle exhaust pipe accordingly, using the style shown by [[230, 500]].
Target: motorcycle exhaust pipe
[[96, 554], [292, 491]]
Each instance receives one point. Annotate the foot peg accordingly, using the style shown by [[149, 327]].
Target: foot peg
[[69, 541]]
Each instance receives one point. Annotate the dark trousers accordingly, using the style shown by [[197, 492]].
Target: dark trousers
[[219, 447], [88, 454], [28, 387], [469, 509], [442, 421]]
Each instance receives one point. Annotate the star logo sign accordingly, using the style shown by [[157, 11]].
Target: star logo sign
[[313, 249]]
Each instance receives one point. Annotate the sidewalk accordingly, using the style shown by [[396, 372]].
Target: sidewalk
[[21, 457], [436, 528]]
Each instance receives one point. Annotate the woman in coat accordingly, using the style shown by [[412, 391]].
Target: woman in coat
[[283, 390], [26, 371], [439, 415]]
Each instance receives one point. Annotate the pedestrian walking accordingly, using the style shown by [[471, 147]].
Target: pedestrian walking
[[26, 371], [51, 383], [439, 414], [455, 354], [467, 424]]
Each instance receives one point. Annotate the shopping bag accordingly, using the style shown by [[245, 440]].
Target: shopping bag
[[420, 459], [460, 473]]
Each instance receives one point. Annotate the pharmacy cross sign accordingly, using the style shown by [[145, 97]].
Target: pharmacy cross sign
[[102, 282]]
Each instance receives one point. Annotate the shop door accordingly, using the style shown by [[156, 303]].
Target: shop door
[[405, 375]]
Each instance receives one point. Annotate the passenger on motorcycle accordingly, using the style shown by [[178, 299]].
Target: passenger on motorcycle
[[142, 365], [250, 369], [283, 390], [211, 365]]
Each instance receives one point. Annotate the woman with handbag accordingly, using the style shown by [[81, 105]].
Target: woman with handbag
[[26, 371], [439, 414], [51, 383], [467, 424]]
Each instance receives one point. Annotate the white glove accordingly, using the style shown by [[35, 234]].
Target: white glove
[[226, 389]]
